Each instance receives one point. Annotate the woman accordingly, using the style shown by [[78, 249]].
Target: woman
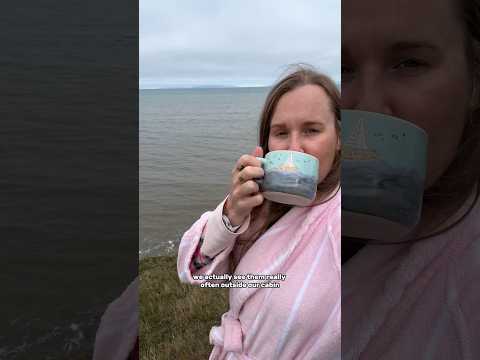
[[247, 234], [419, 299]]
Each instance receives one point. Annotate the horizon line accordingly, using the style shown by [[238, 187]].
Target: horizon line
[[180, 87]]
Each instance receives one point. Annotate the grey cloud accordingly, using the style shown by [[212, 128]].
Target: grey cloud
[[223, 42]]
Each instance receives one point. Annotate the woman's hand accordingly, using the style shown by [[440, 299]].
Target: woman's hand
[[244, 191]]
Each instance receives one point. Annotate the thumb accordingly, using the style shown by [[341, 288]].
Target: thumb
[[258, 152]]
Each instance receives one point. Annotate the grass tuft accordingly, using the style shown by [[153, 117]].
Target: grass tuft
[[175, 318]]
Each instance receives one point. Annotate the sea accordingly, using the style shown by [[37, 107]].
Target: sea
[[190, 140]]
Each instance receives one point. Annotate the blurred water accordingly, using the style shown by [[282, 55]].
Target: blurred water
[[189, 142], [375, 188]]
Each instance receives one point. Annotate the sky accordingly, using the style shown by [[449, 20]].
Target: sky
[[193, 43]]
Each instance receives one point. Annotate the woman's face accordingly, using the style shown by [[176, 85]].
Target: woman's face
[[303, 121], [407, 58]]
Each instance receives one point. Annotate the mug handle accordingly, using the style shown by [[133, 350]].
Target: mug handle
[[259, 181]]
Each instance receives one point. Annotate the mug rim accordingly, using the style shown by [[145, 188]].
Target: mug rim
[[391, 117], [292, 151]]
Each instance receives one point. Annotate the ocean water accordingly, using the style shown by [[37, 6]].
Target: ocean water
[[189, 143]]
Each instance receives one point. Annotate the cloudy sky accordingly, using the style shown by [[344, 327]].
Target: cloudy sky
[[188, 43]]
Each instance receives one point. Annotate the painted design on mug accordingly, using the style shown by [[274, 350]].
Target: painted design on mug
[[356, 147], [289, 166]]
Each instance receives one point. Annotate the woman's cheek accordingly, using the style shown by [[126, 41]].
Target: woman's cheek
[[271, 144], [276, 144], [326, 159], [323, 171]]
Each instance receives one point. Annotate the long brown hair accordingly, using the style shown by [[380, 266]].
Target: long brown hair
[[463, 173], [300, 76]]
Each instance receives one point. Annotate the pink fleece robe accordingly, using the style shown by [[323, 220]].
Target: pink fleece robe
[[415, 301], [301, 318]]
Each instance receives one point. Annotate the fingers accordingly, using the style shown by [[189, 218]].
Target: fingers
[[248, 173], [244, 193], [252, 201], [257, 152], [241, 200], [246, 160], [246, 204], [248, 188]]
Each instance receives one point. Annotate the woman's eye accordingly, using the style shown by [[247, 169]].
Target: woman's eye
[[281, 134], [410, 64], [311, 131]]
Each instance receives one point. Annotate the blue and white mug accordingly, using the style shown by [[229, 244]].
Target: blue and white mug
[[383, 173], [291, 177]]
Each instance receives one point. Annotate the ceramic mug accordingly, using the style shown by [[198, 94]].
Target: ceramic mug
[[291, 177], [383, 174]]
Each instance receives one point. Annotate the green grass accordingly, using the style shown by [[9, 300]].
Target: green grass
[[175, 318]]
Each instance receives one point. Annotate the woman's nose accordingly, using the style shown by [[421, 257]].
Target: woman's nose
[[367, 93], [296, 143]]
